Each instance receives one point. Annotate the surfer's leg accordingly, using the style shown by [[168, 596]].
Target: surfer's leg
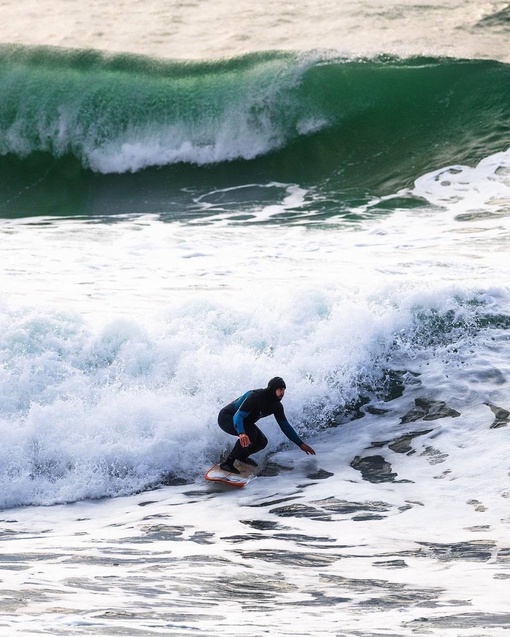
[[257, 442], [226, 423]]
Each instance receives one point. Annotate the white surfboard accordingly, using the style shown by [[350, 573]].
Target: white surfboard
[[247, 474]]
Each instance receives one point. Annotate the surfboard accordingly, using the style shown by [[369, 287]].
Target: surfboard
[[246, 475]]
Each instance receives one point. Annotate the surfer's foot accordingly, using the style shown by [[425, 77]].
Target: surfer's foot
[[249, 461], [228, 466]]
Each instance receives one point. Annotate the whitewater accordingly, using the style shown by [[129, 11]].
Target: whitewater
[[194, 198]]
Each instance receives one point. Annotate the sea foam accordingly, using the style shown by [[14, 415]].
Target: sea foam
[[92, 412]]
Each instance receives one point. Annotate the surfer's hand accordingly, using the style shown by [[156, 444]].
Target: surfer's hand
[[307, 449], [244, 440]]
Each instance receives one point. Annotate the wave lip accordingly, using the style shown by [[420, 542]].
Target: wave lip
[[123, 113]]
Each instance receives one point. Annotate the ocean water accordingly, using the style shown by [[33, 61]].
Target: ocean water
[[195, 197]]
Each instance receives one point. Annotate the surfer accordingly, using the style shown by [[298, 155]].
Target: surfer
[[239, 417]]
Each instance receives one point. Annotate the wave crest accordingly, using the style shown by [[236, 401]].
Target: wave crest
[[381, 120]]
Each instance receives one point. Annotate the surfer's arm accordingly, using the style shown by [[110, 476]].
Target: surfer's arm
[[288, 430], [247, 404], [239, 417], [291, 433]]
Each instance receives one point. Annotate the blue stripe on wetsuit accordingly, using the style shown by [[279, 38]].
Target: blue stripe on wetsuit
[[239, 416], [239, 420]]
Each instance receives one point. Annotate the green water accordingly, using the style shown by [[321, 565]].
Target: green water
[[87, 133]]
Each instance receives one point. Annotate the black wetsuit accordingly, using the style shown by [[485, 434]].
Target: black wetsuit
[[241, 415]]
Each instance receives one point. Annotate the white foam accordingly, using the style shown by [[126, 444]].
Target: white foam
[[179, 144], [166, 322], [89, 412], [484, 188]]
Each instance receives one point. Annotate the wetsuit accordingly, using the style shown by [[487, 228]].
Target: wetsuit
[[241, 415]]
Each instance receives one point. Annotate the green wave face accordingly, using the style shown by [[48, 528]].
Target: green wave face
[[81, 120], [119, 114]]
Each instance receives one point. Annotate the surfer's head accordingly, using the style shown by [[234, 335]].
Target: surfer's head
[[276, 386]]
